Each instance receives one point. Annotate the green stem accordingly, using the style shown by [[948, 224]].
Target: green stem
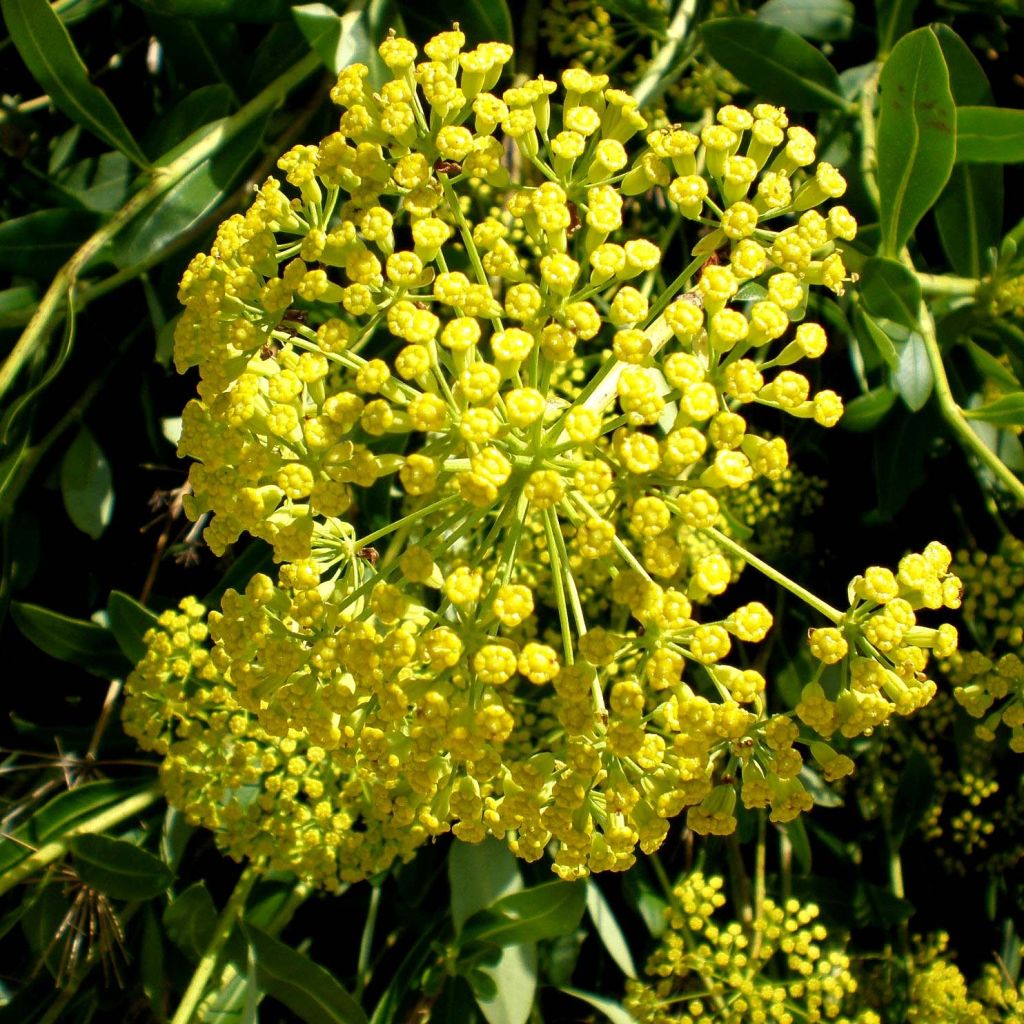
[[366, 943], [670, 292], [869, 135], [657, 76], [53, 851], [954, 415], [775, 576], [408, 520], [948, 284], [163, 179], [225, 925]]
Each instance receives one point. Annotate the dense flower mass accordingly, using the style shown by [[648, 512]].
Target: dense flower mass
[[443, 331]]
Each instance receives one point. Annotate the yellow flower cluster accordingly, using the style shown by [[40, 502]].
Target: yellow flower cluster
[[394, 338], [989, 679], [880, 647], [778, 969]]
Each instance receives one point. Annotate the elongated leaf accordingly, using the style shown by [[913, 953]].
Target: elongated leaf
[[992, 367], [39, 243], [878, 336], [895, 18], [86, 485], [190, 920], [774, 62], [1007, 411], [216, 10], [608, 930], [913, 374], [306, 988], [48, 52], [989, 135], [200, 107], [99, 183], [542, 912], [191, 198], [483, 21], [613, 1011], [514, 981], [891, 290], [480, 874], [968, 82], [821, 20], [63, 813], [118, 868], [866, 411], [82, 643], [129, 621], [916, 135], [336, 39]]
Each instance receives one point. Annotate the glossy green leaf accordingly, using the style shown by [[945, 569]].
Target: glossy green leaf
[[82, 643], [39, 243], [190, 920], [608, 930], [480, 874], [337, 39], [200, 107], [992, 367], [47, 50], [878, 337], [192, 198], [821, 792], [775, 62], [821, 20], [226, 10], [916, 135], [613, 1011], [866, 411], [128, 620], [989, 135], [913, 376], [100, 183], [968, 82], [63, 813], [891, 290], [306, 988], [86, 485], [482, 21], [542, 912], [1007, 411], [118, 868]]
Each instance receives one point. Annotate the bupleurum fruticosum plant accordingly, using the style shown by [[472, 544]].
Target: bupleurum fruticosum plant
[[443, 314]]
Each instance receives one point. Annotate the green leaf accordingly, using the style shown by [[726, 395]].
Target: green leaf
[[615, 1012], [99, 183], [821, 20], [151, 959], [1007, 411], [799, 843], [900, 453], [891, 290], [480, 874], [542, 912], [514, 981], [653, 18], [119, 868], [968, 82], [611, 935], [914, 795], [306, 988], [128, 620], [866, 411], [190, 920], [229, 10], [39, 243], [336, 39], [483, 21], [50, 55], [895, 18], [989, 135], [913, 377], [13, 300], [775, 62], [189, 200], [878, 336], [82, 643], [62, 814], [969, 214], [916, 135], [202, 106], [992, 367], [86, 485], [821, 792]]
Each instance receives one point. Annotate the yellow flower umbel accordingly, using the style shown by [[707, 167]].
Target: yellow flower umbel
[[479, 373], [776, 969]]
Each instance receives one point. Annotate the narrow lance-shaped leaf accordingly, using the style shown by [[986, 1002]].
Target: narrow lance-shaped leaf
[[775, 63], [916, 136], [82, 643], [118, 868], [47, 50]]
